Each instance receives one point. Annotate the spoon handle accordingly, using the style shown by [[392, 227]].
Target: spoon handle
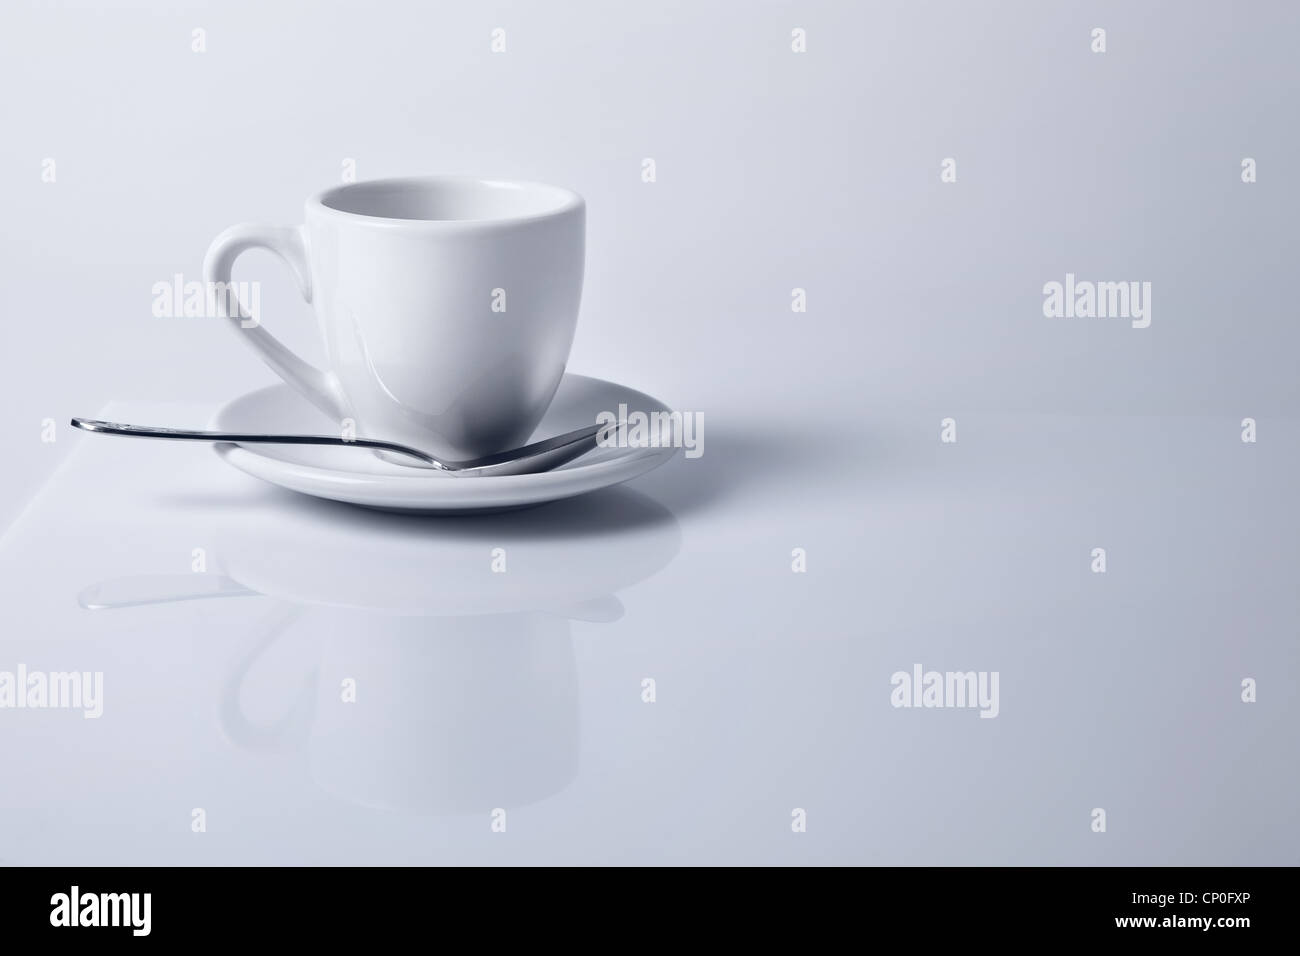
[[189, 434]]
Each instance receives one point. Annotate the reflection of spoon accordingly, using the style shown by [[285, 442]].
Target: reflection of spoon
[[140, 590], [539, 456]]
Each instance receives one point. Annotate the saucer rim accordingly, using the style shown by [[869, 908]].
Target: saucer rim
[[433, 491]]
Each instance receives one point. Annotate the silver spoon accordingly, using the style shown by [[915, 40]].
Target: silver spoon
[[539, 456]]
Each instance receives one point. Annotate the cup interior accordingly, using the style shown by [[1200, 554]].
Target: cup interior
[[448, 199]]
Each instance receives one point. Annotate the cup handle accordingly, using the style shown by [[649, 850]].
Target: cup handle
[[290, 244]]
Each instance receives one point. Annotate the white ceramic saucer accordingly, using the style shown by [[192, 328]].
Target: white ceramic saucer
[[358, 476]]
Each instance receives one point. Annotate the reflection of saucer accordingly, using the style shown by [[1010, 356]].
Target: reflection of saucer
[[567, 560], [359, 477]]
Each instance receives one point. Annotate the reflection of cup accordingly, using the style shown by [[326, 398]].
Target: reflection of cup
[[465, 682], [448, 306], [431, 715]]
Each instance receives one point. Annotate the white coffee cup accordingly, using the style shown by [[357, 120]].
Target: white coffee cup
[[447, 305]]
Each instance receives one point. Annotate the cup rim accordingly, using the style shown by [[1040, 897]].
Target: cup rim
[[568, 201]]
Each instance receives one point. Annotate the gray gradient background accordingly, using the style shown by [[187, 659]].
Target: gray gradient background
[[775, 170]]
